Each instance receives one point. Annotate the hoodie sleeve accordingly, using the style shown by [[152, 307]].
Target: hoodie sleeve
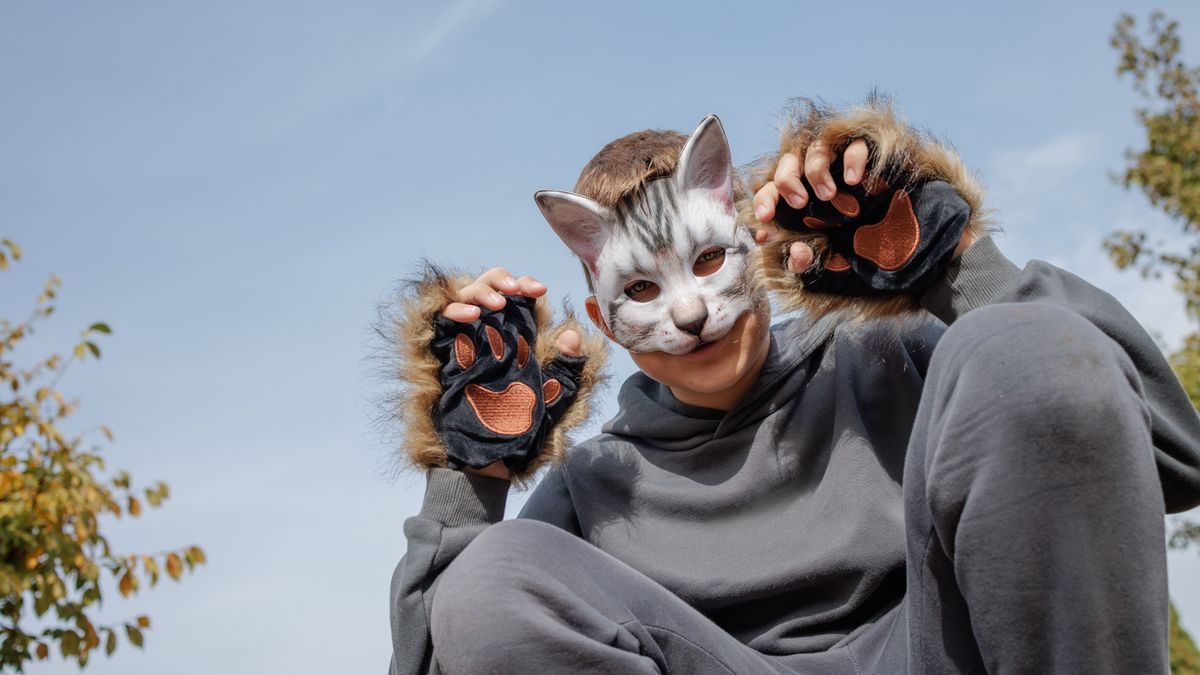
[[457, 507], [984, 276]]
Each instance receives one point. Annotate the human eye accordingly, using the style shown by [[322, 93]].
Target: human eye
[[642, 290], [709, 261]]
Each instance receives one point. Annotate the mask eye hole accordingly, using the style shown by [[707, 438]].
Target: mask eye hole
[[642, 290], [709, 261]]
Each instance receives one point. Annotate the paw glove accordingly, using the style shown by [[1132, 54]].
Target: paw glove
[[879, 238], [497, 402]]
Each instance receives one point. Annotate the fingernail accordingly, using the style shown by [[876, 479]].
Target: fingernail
[[495, 297], [822, 193], [760, 212], [794, 201], [510, 282], [851, 175]]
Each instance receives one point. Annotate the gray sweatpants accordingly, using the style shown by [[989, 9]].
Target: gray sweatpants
[[1034, 529]]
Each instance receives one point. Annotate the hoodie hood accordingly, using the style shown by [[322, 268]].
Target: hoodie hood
[[649, 411]]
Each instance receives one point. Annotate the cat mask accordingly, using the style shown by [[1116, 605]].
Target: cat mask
[[671, 267]]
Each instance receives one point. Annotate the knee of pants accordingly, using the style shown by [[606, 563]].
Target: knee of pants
[[481, 596], [1038, 371]]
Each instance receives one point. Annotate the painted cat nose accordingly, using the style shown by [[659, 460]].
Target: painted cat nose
[[694, 328], [691, 319]]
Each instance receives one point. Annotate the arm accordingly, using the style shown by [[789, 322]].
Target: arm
[[983, 275], [457, 507], [445, 344], [551, 503], [875, 142]]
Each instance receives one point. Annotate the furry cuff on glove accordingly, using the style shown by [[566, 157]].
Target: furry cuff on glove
[[878, 244], [491, 390]]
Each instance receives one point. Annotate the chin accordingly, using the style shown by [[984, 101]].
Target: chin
[[714, 368]]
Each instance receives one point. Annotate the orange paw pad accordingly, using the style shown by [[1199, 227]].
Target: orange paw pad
[[508, 412], [464, 351], [893, 241], [551, 390], [837, 263]]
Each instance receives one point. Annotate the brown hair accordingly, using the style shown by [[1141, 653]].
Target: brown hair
[[621, 170]]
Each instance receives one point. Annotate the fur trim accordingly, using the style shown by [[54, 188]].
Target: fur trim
[[897, 149], [406, 325], [592, 378]]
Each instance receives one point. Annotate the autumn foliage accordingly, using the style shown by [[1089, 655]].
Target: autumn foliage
[[55, 496]]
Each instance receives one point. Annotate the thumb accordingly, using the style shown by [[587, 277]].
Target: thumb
[[800, 256], [569, 343]]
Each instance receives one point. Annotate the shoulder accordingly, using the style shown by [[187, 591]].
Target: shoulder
[[604, 455], [915, 332]]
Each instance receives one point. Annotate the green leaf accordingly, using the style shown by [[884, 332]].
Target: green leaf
[[135, 635], [93, 348], [110, 643], [100, 327]]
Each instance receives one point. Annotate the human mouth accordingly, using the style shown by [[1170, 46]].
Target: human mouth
[[703, 349]]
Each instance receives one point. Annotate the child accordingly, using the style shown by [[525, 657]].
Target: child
[[844, 492]]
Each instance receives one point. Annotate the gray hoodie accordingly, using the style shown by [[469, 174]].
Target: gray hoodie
[[781, 519]]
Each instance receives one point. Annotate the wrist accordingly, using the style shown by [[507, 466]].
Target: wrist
[[968, 238], [494, 470]]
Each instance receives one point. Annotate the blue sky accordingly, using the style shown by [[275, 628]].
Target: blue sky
[[235, 186]]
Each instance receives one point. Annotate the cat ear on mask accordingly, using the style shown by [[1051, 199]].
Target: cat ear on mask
[[582, 224], [706, 162]]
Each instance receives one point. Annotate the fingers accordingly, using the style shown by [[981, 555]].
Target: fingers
[[817, 160], [787, 181], [816, 170], [800, 257], [457, 311], [531, 287], [854, 162], [486, 291], [569, 343], [767, 234], [764, 202]]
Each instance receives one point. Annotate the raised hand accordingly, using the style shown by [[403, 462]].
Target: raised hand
[[882, 219], [485, 383], [497, 402]]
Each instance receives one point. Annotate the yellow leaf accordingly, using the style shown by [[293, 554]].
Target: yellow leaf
[[43, 652], [174, 566], [126, 585], [143, 621], [107, 432], [197, 554], [135, 507]]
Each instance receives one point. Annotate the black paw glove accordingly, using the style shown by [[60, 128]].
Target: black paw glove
[[880, 239], [497, 403]]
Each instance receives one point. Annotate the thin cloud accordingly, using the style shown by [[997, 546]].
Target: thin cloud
[[446, 25]]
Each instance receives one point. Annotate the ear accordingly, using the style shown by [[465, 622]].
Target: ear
[[592, 305], [706, 162], [581, 223]]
